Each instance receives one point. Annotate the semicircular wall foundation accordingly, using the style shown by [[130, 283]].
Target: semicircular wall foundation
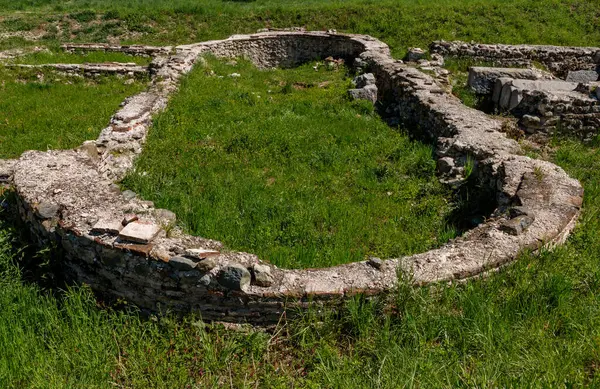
[[117, 243]]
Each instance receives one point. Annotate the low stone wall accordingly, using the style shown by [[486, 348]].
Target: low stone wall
[[552, 107], [91, 69], [568, 113], [558, 59], [140, 50], [119, 244]]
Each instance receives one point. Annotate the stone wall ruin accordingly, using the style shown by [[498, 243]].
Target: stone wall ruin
[[564, 100], [118, 243]]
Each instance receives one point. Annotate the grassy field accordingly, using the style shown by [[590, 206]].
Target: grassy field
[[400, 23], [280, 163], [43, 110], [534, 324]]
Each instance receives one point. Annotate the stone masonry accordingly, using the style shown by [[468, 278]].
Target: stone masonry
[[543, 105], [558, 59], [119, 244]]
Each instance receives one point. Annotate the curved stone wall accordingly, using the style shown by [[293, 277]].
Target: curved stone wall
[[119, 244]]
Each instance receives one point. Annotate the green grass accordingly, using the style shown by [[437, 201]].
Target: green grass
[[535, 324], [281, 164], [53, 112], [400, 23]]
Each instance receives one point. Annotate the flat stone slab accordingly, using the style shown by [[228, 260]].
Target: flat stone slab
[[482, 79], [140, 232], [545, 86], [508, 93]]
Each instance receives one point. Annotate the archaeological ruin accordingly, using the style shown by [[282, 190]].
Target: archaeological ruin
[[118, 244]]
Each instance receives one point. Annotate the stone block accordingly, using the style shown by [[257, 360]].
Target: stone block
[[369, 93], [189, 277], [482, 79], [359, 63], [545, 85], [136, 107], [505, 95], [140, 232], [206, 265], [498, 85], [515, 98], [531, 121], [234, 276], [584, 76]]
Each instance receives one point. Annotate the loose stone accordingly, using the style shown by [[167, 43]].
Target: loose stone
[[89, 147], [262, 275], [377, 263], [140, 232], [517, 225], [114, 188], [368, 93]]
